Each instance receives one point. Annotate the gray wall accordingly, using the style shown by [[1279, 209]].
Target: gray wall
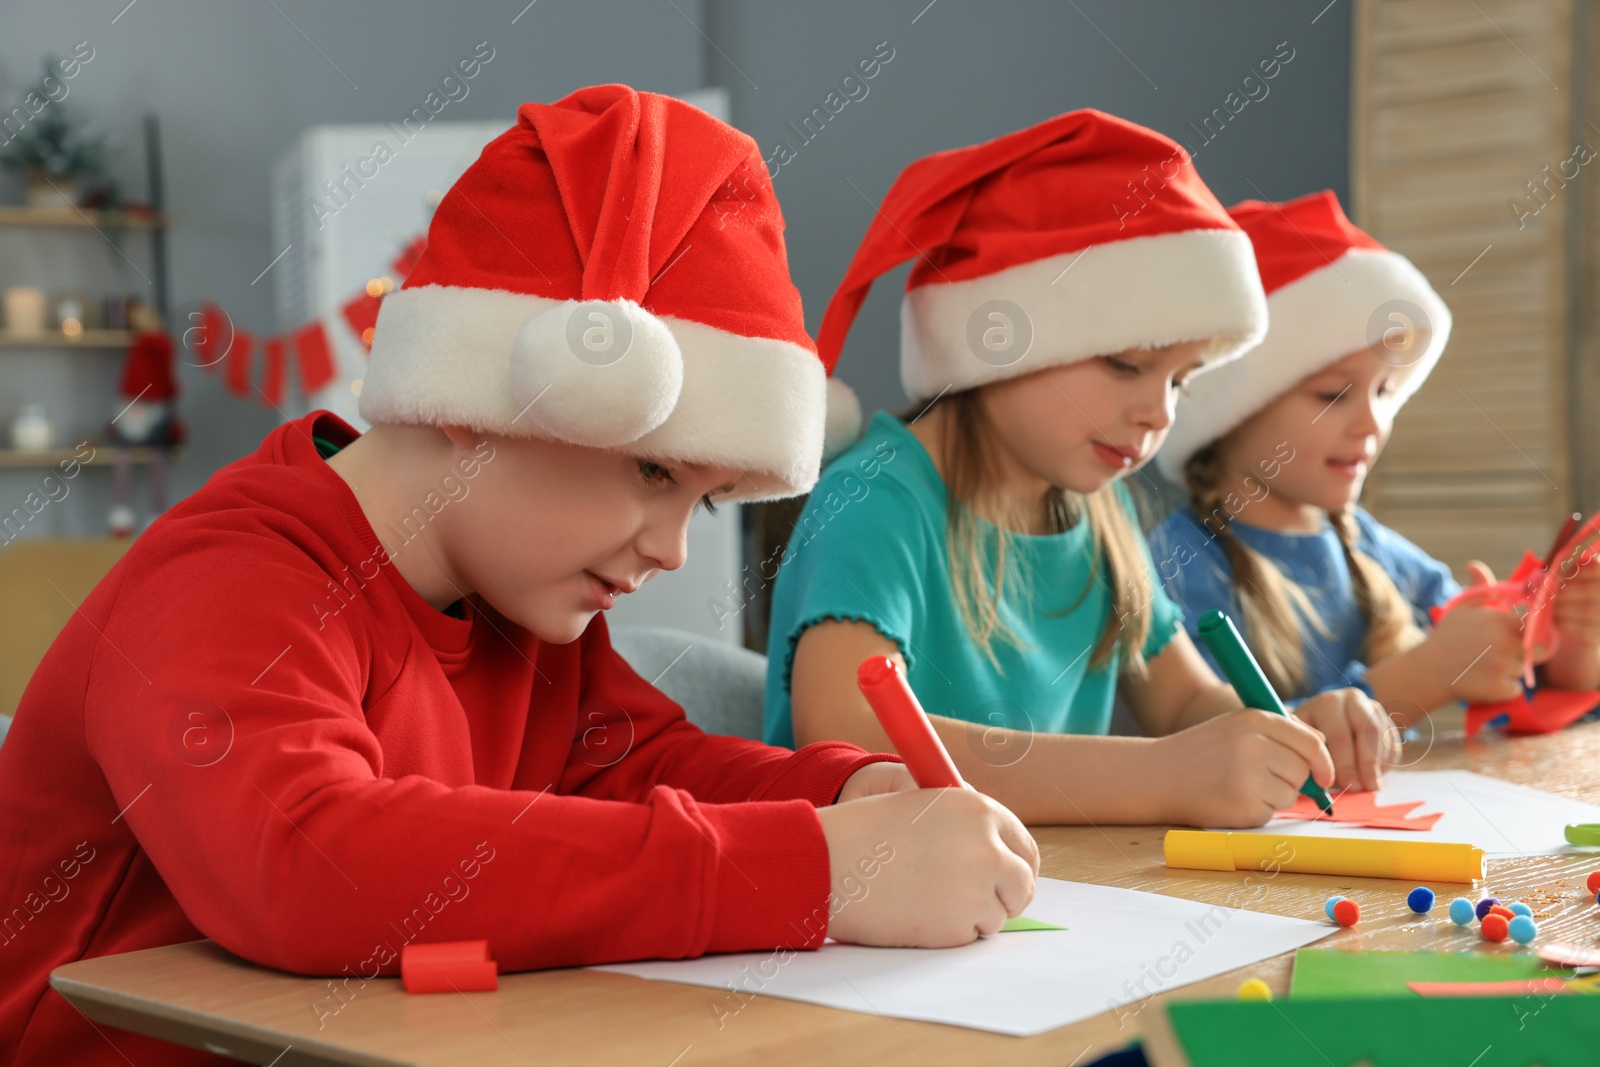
[[234, 83]]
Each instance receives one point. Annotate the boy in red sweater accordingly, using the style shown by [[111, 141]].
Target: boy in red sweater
[[355, 693]]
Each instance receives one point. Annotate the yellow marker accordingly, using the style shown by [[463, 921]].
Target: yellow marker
[[1412, 861]]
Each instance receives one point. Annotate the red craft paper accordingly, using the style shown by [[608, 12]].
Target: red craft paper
[[1354, 808], [1549, 711]]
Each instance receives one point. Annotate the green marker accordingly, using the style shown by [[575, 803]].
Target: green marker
[[1244, 674]]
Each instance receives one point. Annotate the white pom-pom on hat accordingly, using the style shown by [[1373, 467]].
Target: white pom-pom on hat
[[600, 373], [842, 425]]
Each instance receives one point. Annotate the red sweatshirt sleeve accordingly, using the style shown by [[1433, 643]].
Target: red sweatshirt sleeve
[[293, 849], [620, 713]]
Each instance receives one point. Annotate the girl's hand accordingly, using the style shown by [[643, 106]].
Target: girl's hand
[[1476, 653], [1236, 769], [1576, 660], [875, 779], [1359, 736], [931, 868]]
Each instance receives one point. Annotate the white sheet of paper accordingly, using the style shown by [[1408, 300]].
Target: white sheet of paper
[[1120, 947], [1501, 818]]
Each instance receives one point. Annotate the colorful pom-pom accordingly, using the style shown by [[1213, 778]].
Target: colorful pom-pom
[[1485, 904], [1461, 911], [1495, 927], [1520, 908], [1522, 929], [1420, 900], [1346, 913], [1254, 989], [1594, 882], [1504, 912], [1327, 908]]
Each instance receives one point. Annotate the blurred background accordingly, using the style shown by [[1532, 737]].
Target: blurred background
[[201, 158]]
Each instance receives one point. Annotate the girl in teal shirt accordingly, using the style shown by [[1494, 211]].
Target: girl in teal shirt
[[985, 539]]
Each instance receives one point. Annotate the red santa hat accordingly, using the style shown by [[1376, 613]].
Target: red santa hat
[[611, 272], [1079, 237], [1331, 290]]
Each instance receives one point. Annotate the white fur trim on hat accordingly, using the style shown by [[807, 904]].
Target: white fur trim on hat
[[443, 355], [1353, 303], [1143, 292]]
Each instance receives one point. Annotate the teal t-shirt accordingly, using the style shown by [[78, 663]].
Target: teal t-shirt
[[870, 546]]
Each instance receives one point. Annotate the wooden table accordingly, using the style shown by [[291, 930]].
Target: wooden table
[[197, 994]]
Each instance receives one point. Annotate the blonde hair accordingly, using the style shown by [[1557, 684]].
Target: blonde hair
[[1275, 608], [981, 584]]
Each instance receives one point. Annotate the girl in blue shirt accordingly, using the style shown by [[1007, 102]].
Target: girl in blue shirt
[[1274, 449], [984, 539]]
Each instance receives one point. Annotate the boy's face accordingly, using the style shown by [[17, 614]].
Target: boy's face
[[553, 533], [1083, 425]]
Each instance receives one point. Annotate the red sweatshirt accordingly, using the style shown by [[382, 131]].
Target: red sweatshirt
[[254, 732]]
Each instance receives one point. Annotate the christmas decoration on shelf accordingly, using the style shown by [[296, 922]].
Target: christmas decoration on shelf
[[216, 342], [148, 397]]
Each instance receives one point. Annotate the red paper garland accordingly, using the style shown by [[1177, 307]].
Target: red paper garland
[[215, 342]]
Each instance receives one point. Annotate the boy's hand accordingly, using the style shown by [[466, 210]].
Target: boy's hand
[[875, 779], [1235, 770], [930, 868], [1359, 736]]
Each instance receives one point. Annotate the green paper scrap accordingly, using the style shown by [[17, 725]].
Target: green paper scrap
[[1556, 1031], [1321, 972], [1022, 922]]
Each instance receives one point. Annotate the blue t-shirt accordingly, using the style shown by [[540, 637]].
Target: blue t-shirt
[[870, 547], [1195, 571]]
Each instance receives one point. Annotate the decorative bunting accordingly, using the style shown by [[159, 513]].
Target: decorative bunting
[[316, 357], [273, 375], [215, 340], [237, 372]]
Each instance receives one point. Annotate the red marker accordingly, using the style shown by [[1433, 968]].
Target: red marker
[[902, 718]]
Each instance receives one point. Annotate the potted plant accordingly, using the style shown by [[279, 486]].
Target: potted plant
[[54, 151]]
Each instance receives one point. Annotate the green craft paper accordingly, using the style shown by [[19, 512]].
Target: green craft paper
[[1557, 1031], [1334, 973], [1022, 922]]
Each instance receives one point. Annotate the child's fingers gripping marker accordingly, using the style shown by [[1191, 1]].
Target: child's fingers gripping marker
[[1461, 912], [900, 714], [1420, 900], [1347, 913]]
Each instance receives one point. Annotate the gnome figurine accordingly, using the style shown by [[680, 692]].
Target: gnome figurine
[[148, 417]]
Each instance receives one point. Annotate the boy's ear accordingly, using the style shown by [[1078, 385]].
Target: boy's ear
[[461, 436]]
